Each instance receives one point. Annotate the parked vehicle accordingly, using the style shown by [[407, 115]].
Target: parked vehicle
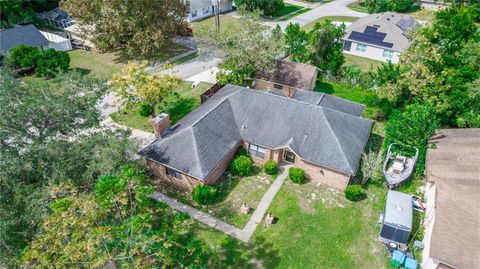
[[398, 168]]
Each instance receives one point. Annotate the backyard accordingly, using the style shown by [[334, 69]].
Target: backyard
[[365, 64], [176, 107]]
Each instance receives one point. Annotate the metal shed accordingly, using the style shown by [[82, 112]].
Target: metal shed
[[397, 218]]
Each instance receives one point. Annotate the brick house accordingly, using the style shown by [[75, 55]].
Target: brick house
[[287, 77], [320, 133]]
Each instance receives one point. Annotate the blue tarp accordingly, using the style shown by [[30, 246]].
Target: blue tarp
[[411, 264]]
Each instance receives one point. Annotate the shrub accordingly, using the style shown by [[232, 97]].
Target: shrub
[[353, 192], [22, 56], [204, 194], [241, 151], [241, 165], [145, 109], [51, 62], [270, 167], [296, 175]]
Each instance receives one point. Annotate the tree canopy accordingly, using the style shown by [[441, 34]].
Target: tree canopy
[[243, 49], [268, 7], [135, 28], [378, 6], [23, 11]]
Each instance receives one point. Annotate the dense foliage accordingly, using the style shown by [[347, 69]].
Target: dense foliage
[[204, 194], [22, 56], [23, 11], [243, 49], [43, 143], [353, 192], [134, 85], [51, 62], [378, 6], [270, 167], [241, 165], [268, 7], [117, 226], [296, 175], [321, 46], [135, 28]]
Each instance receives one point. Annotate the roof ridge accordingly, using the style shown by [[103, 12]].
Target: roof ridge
[[195, 149], [338, 142]]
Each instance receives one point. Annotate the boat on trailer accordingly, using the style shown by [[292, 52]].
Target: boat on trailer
[[398, 168]]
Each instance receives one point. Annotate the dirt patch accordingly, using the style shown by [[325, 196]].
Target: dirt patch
[[310, 193]]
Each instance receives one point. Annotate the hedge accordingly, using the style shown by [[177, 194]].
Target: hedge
[[241, 165], [270, 167], [353, 192], [204, 194], [296, 175]]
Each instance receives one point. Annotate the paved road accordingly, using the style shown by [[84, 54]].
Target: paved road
[[246, 233]]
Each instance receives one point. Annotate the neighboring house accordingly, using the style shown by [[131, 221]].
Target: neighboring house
[[57, 42], [452, 219], [200, 9], [287, 77], [322, 134], [57, 18], [383, 37], [21, 35]]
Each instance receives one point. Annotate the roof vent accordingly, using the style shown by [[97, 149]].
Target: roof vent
[[376, 25], [243, 127]]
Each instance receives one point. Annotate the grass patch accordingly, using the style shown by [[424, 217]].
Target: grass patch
[[102, 64], [304, 10], [234, 191], [287, 9], [422, 14], [365, 64], [225, 21], [309, 26], [188, 100], [185, 59], [358, 6]]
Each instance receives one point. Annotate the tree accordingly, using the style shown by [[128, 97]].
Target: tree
[[243, 49], [22, 56], [326, 46], [135, 86], [51, 62], [378, 6], [412, 127], [371, 161], [296, 40], [440, 67], [119, 225], [135, 28], [49, 134], [268, 7]]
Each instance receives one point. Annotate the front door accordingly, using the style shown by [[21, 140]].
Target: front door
[[288, 156]]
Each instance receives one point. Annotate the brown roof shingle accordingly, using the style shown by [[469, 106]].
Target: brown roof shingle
[[454, 165], [296, 75]]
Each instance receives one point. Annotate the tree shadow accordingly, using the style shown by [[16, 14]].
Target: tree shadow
[[82, 71], [324, 87], [179, 108]]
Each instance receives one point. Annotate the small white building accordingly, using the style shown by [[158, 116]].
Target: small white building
[[200, 9], [382, 37], [57, 42]]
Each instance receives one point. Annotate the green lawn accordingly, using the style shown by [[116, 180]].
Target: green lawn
[[234, 192], [225, 21], [309, 26], [365, 64], [177, 108], [287, 9], [304, 10], [358, 6], [103, 64]]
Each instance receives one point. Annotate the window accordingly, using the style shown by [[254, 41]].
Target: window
[[347, 45], [194, 13], [361, 47], [256, 151], [206, 10], [278, 86], [387, 54], [173, 173]]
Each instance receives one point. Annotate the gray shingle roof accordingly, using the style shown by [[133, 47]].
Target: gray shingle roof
[[388, 30], [21, 35], [321, 135]]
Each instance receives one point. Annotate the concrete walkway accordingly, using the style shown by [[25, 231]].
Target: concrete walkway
[[246, 233]]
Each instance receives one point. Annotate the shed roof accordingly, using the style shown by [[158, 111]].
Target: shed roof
[[398, 210], [388, 30], [454, 166], [198, 142], [21, 35], [296, 75]]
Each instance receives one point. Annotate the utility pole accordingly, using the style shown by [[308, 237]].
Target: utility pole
[[217, 16]]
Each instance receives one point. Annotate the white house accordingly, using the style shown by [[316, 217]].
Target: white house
[[57, 42], [200, 9], [382, 37]]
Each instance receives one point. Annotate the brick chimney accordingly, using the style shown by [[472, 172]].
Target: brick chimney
[[160, 123]]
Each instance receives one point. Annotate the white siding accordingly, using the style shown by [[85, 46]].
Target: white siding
[[372, 52], [201, 13], [57, 42]]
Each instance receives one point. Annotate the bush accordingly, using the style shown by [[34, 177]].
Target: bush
[[241, 151], [353, 192], [241, 165], [22, 56], [145, 109], [51, 62], [270, 167], [204, 194], [296, 175]]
